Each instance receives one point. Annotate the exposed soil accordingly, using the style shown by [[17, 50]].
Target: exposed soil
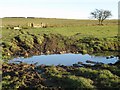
[[29, 45], [25, 76]]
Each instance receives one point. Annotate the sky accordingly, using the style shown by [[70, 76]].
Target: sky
[[69, 9]]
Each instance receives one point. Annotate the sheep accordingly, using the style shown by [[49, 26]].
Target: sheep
[[17, 28]]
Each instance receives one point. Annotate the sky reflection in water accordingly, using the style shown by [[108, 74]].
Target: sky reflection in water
[[64, 59]]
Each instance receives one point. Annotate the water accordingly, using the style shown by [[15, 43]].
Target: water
[[63, 59]]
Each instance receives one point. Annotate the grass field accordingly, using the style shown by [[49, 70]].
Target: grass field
[[63, 26], [75, 29], [54, 21], [82, 36], [97, 31]]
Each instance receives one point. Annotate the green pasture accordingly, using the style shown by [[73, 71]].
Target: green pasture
[[82, 31], [55, 22], [97, 31], [65, 27], [106, 76]]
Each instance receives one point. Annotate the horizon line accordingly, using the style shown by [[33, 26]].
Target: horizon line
[[62, 18]]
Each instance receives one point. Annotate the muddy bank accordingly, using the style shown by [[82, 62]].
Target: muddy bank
[[26, 44], [24, 76]]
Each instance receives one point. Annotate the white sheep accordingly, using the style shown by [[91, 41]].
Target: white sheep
[[17, 28]]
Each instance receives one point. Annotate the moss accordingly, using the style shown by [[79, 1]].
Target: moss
[[61, 45], [84, 51], [91, 50], [52, 69], [6, 53], [87, 72], [56, 43], [58, 76], [96, 48], [14, 48], [77, 82], [40, 39], [27, 39], [7, 44], [107, 73], [69, 42]]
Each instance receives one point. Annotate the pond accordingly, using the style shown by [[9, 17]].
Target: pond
[[64, 59]]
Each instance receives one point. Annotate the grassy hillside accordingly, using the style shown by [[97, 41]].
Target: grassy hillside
[[66, 27], [54, 21], [72, 32]]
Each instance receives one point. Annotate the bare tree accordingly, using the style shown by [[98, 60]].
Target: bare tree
[[101, 15]]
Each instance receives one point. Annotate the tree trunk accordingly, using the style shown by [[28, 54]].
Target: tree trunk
[[99, 22]]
